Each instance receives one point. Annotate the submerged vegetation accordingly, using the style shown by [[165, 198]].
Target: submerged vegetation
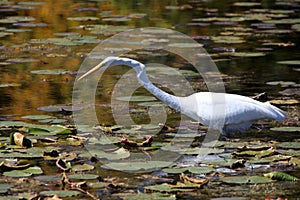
[[44, 156]]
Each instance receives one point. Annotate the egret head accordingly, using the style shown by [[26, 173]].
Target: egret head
[[106, 63]]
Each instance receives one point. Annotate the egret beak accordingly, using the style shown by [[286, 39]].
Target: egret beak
[[96, 68]]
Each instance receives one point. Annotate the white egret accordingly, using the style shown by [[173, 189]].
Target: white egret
[[235, 112]]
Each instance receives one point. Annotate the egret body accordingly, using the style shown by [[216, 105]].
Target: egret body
[[227, 113]]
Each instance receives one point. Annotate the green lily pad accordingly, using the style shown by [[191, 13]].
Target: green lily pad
[[296, 27], [83, 176], [145, 196], [61, 193], [289, 145], [136, 98], [9, 85], [280, 176], [50, 72], [17, 30], [31, 3], [21, 60], [115, 155], [116, 19], [228, 39], [289, 62], [282, 83], [284, 101], [201, 170], [17, 173], [83, 167], [286, 129], [186, 45], [246, 179], [168, 188], [37, 117], [82, 19], [136, 166], [5, 187], [48, 178], [33, 170], [244, 54], [175, 170], [56, 108], [247, 4]]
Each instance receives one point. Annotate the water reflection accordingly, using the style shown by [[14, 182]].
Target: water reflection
[[200, 19]]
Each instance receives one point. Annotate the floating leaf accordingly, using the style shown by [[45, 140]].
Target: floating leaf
[[84, 167], [5, 187], [280, 176], [186, 45], [286, 129], [9, 85], [61, 193], [289, 62], [175, 170], [136, 98], [247, 4], [289, 145], [21, 60], [37, 117], [144, 196], [284, 101], [83, 18], [116, 19], [50, 72], [83, 176], [244, 54], [16, 173], [201, 170], [246, 179], [137, 166], [282, 83], [115, 155], [228, 39]]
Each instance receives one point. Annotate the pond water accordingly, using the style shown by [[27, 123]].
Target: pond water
[[255, 46]]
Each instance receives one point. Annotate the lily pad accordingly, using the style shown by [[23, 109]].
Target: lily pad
[[84, 167], [61, 193], [83, 176], [83, 18], [244, 54], [175, 170], [137, 166], [136, 98], [289, 145], [247, 4], [284, 101], [50, 72], [21, 60], [186, 45], [9, 85], [37, 117], [280, 176], [282, 83], [289, 62], [5, 187], [48, 178], [16, 173], [144, 196], [115, 155], [286, 129], [201, 170], [246, 179]]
